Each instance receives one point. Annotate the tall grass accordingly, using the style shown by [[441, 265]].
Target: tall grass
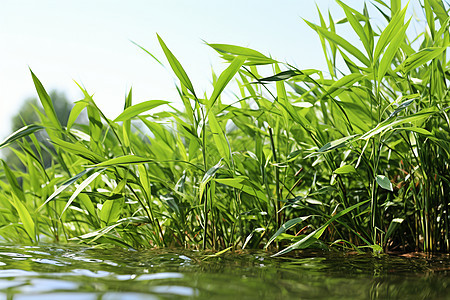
[[354, 159]]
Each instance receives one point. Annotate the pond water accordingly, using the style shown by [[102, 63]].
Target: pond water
[[75, 272]]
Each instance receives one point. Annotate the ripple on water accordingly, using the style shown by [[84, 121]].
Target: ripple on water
[[58, 272]]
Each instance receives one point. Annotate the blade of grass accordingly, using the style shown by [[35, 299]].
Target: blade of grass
[[18, 134], [316, 234], [139, 108], [25, 217], [286, 226], [394, 45], [46, 102], [176, 67], [80, 188], [420, 58], [389, 32], [340, 41], [225, 78]]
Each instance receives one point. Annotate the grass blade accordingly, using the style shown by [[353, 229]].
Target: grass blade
[[385, 126], [241, 183], [78, 149], [225, 78], [146, 51], [289, 224], [80, 188], [66, 184], [285, 75], [124, 160], [176, 67], [25, 217], [75, 112], [253, 57], [46, 102], [354, 22], [316, 234], [340, 41], [12, 180], [219, 138], [111, 210], [22, 132], [389, 32], [139, 108], [420, 58], [386, 60]]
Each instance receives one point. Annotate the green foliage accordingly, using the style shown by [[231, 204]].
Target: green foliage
[[24, 124], [302, 158]]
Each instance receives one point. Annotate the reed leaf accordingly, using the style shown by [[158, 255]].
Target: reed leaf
[[253, 57], [25, 217], [340, 41], [46, 102], [133, 111], [316, 234], [225, 78], [20, 133], [420, 58], [176, 67]]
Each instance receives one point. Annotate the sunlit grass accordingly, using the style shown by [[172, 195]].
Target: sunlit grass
[[353, 159]]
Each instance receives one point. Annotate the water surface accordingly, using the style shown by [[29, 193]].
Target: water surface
[[76, 272]]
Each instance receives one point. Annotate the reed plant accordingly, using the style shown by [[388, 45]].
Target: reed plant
[[354, 157]]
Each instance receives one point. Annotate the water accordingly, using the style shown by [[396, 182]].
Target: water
[[55, 272]]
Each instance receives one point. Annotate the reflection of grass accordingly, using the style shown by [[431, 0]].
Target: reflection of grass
[[301, 159]]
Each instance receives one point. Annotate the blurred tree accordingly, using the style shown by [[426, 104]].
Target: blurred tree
[[28, 114]]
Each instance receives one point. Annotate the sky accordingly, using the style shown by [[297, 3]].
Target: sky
[[90, 42]]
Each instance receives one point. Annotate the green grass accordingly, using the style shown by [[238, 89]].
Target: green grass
[[354, 158]]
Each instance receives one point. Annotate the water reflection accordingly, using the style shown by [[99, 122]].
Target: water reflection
[[55, 272]]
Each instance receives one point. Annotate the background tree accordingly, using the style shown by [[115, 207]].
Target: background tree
[[29, 114]]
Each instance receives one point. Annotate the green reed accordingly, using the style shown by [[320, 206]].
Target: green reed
[[353, 159]]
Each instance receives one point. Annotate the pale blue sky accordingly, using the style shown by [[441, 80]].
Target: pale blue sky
[[88, 41]]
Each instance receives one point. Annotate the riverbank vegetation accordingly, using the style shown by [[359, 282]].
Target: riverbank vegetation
[[354, 157]]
